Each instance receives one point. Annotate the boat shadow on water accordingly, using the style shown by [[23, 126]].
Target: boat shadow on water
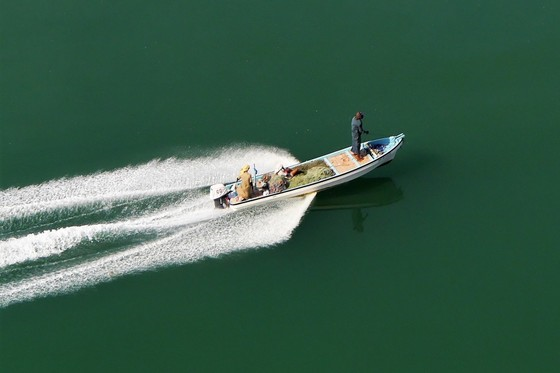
[[357, 195]]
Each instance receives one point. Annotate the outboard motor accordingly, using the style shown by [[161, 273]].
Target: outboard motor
[[219, 194]]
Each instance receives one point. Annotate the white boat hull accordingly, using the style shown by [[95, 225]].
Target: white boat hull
[[343, 173]]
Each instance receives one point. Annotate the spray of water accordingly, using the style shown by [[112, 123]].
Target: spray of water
[[66, 234]]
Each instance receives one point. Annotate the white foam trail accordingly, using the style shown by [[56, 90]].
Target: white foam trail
[[51, 242], [235, 231], [182, 231], [158, 177]]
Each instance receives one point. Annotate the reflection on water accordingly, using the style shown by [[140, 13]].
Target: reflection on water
[[358, 218], [358, 195]]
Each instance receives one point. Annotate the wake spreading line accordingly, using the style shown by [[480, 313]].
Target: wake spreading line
[[65, 234]]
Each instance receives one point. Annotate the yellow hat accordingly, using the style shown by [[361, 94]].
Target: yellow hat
[[245, 168]]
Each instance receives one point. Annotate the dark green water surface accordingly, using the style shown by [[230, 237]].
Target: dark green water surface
[[446, 260]]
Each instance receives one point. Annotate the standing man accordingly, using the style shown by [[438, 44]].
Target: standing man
[[357, 130]]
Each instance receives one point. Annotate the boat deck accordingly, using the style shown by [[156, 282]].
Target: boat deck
[[318, 174], [345, 162]]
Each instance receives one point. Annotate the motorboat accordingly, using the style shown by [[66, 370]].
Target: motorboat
[[314, 175]]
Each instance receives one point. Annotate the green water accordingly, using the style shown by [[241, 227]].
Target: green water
[[445, 260]]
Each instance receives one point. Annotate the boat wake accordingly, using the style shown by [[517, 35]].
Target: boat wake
[[66, 234]]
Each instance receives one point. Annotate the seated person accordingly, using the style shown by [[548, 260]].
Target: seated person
[[245, 188], [264, 185], [286, 171], [278, 180]]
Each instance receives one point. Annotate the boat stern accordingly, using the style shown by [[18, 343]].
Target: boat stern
[[219, 194]]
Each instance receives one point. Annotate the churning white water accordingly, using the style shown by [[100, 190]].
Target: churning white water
[[65, 234]]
